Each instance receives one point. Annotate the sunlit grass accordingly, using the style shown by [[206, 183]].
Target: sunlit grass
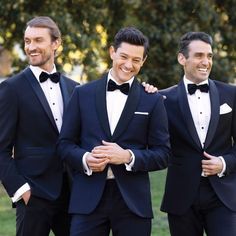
[[159, 224]]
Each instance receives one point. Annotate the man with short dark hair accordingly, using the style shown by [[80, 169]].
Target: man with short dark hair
[[113, 134], [200, 192]]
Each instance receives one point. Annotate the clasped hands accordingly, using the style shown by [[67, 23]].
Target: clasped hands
[[107, 153], [212, 165]]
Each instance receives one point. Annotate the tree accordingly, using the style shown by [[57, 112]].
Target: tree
[[166, 21], [88, 28], [78, 20]]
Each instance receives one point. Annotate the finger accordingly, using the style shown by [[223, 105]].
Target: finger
[[98, 165], [207, 155], [108, 143], [95, 160], [100, 149], [101, 155]]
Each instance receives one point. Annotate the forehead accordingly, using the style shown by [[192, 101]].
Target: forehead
[[198, 46], [35, 32], [131, 50]]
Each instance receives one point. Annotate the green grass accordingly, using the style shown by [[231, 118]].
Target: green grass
[[159, 224]]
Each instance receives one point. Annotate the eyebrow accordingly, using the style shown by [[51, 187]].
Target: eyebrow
[[123, 53]]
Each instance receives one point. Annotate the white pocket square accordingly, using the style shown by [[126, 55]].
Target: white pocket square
[[225, 108], [141, 113]]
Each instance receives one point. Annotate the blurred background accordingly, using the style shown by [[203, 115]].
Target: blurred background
[[88, 27]]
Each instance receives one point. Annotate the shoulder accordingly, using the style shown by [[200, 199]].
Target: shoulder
[[91, 85], [14, 82], [150, 98], [169, 90], [224, 89], [222, 85], [88, 88], [69, 81]]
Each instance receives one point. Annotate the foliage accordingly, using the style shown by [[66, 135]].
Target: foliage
[[88, 28]]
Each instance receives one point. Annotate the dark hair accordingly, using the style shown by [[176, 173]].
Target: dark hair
[[132, 36], [187, 38], [46, 22]]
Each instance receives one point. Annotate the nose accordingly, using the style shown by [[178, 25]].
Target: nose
[[30, 46], [206, 61], [128, 63]]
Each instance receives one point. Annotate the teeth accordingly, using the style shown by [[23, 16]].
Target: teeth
[[34, 54], [204, 70], [126, 71]]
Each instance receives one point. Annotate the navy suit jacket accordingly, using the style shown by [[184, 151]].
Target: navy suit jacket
[[86, 124], [184, 171], [29, 131]]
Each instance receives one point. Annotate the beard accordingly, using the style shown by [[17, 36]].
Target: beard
[[40, 60]]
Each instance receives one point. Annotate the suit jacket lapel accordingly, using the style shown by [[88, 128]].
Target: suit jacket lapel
[[64, 91], [101, 105], [39, 92], [215, 112], [186, 113], [128, 111]]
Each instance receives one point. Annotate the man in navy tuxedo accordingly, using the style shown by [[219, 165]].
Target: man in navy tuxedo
[[113, 134], [31, 108], [200, 192]]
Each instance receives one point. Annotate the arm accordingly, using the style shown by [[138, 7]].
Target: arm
[[68, 145], [230, 156], [9, 175], [155, 156]]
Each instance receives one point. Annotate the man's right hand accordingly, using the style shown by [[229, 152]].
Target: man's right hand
[[96, 164], [26, 196]]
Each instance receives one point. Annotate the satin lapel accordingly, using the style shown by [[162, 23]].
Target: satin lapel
[[128, 111], [215, 112], [101, 105], [64, 91], [186, 113], [40, 94]]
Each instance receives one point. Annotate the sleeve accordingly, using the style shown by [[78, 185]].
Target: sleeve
[[9, 175], [156, 154]]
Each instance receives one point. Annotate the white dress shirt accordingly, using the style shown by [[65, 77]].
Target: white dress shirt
[[53, 95], [200, 107], [115, 101]]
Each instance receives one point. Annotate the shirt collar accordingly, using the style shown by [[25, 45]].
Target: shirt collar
[[37, 71], [112, 78], [187, 81]]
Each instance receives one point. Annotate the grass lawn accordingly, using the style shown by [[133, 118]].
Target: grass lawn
[[159, 224]]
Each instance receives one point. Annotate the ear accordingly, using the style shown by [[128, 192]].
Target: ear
[[181, 59], [144, 60], [112, 52], [56, 44]]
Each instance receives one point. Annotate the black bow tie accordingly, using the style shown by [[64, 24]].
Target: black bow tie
[[55, 77], [124, 88], [193, 87]]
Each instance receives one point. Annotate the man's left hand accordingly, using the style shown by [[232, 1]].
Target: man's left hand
[[113, 152], [212, 166], [149, 88]]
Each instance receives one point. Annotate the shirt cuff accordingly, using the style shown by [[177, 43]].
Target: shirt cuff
[[87, 170], [129, 165], [18, 194], [221, 174]]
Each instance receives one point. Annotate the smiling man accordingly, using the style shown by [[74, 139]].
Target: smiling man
[[200, 192], [113, 134], [31, 108]]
